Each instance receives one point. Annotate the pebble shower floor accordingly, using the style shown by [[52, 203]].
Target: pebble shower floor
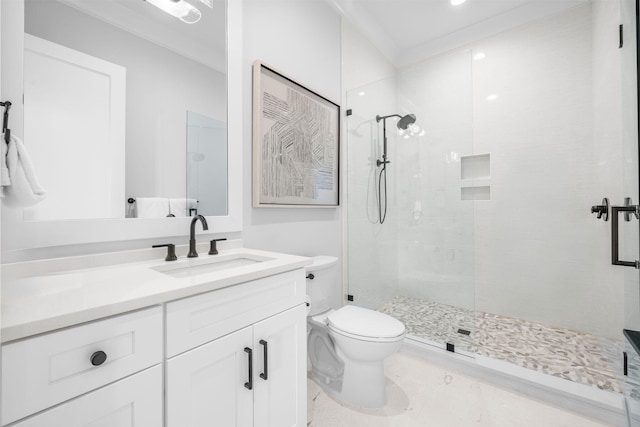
[[571, 355]]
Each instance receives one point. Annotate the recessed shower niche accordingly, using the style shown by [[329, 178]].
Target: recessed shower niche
[[472, 168]]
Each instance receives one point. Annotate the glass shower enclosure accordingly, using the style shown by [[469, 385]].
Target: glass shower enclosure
[[489, 247]]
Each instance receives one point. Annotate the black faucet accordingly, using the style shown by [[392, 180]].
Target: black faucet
[[192, 238]]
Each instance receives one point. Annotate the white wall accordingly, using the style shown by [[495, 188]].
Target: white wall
[[362, 63], [302, 40]]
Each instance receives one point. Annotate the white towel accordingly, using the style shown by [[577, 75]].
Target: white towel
[[180, 207], [152, 207], [4, 171], [24, 189]]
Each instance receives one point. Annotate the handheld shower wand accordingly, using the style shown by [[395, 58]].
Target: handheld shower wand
[[403, 124]]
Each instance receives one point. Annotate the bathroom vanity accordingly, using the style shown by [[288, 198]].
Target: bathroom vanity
[[150, 343]]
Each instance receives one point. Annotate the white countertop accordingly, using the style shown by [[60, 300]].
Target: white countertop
[[58, 298]]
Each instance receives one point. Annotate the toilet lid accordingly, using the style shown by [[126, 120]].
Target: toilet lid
[[364, 322]]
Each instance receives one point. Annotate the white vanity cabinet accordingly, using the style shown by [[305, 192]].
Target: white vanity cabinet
[[232, 355], [246, 365]]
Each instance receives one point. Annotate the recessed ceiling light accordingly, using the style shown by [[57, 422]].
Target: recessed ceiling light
[[478, 56], [207, 2], [178, 8], [492, 97], [457, 2]]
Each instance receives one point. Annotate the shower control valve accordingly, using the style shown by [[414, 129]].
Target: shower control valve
[[602, 210]]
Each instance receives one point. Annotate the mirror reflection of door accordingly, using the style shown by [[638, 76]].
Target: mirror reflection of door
[[206, 165], [75, 128]]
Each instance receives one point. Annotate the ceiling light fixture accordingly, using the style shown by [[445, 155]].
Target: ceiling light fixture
[[207, 2], [178, 8], [457, 2]]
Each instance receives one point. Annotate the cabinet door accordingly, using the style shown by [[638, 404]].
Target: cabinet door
[[206, 386], [280, 398], [135, 401]]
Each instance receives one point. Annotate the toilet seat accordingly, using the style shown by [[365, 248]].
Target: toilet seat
[[363, 338], [364, 324]]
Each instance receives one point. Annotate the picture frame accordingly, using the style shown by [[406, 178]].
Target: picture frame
[[296, 143]]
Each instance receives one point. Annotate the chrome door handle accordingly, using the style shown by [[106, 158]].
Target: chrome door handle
[[615, 254]]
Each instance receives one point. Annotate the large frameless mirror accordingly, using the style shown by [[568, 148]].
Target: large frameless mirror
[[101, 162]]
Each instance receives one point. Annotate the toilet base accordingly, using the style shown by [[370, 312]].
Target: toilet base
[[363, 384], [371, 396], [348, 368]]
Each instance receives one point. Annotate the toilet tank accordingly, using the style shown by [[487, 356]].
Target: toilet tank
[[320, 288]]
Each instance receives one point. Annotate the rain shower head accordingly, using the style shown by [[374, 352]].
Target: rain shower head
[[407, 120], [403, 123]]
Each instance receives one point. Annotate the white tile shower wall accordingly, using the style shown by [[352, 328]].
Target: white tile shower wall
[[610, 165], [302, 40], [435, 228], [541, 103], [537, 246]]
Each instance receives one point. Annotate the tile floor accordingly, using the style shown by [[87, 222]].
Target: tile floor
[[421, 394], [564, 353]]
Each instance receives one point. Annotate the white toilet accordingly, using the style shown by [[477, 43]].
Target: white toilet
[[347, 347]]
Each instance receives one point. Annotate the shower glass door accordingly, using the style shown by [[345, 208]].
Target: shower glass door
[[630, 231], [418, 264]]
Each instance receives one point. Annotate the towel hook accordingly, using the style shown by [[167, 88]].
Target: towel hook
[[5, 121]]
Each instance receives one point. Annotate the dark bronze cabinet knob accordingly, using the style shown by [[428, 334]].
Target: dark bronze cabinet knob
[[98, 358]]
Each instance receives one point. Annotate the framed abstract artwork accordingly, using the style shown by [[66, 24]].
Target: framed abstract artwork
[[296, 143]]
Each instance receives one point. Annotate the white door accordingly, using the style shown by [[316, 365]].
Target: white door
[[135, 401], [206, 385], [74, 129], [280, 398]]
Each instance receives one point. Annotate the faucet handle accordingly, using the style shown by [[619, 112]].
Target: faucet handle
[[171, 251], [213, 250]]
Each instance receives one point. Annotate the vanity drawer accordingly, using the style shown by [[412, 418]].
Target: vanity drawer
[[48, 369], [202, 318], [135, 401]]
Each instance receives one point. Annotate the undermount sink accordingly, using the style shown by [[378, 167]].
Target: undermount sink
[[198, 266]]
